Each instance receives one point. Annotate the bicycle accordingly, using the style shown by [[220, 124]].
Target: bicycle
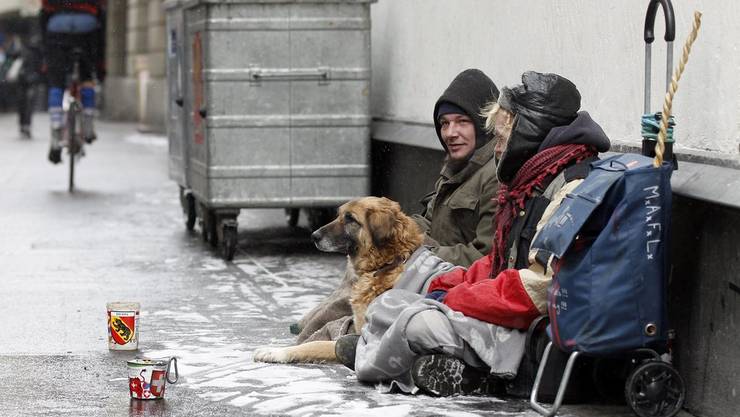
[[72, 129]]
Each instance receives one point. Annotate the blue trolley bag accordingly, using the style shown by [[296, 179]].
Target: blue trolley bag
[[610, 240]]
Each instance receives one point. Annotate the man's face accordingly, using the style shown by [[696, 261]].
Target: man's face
[[502, 124], [458, 134]]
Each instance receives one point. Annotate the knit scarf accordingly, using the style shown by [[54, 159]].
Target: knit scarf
[[512, 198]]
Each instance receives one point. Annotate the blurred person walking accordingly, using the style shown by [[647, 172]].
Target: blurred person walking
[[69, 25]]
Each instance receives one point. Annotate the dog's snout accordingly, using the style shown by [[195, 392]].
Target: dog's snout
[[315, 237]]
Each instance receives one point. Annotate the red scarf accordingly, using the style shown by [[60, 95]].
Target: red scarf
[[513, 197]]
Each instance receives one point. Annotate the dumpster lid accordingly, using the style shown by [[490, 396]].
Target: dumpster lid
[[190, 3]]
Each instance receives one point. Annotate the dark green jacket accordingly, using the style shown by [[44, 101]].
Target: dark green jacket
[[459, 216]]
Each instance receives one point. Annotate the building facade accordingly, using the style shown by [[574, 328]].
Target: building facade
[[136, 87]]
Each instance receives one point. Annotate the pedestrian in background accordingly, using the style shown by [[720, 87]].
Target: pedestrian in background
[[30, 58]]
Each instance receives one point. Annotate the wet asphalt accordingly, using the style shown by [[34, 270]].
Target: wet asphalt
[[121, 237]]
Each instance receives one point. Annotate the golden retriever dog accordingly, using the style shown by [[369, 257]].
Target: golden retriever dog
[[378, 238]]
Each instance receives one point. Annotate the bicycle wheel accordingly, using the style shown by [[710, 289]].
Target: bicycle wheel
[[71, 146]]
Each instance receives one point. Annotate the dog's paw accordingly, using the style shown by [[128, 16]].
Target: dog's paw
[[272, 355]]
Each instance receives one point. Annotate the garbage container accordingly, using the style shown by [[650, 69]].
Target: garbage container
[[176, 121], [276, 107]]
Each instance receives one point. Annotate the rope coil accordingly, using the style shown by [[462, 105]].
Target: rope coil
[[668, 103]]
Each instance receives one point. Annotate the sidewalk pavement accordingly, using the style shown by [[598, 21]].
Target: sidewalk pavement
[[121, 236]]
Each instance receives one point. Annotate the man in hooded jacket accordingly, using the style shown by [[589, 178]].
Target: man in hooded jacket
[[459, 213], [466, 328]]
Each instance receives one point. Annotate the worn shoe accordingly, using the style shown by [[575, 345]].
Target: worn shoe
[[445, 375], [55, 147], [346, 348]]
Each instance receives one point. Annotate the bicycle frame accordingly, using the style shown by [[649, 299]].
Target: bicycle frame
[[73, 115]]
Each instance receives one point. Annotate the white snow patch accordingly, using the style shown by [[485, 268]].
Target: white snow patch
[[218, 396], [308, 387], [220, 288], [243, 400], [250, 269], [213, 264]]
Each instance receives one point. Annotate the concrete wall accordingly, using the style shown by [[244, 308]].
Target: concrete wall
[[419, 45], [705, 305]]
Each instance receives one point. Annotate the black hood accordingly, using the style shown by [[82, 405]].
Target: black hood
[[582, 131], [470, 90], [540, 103]]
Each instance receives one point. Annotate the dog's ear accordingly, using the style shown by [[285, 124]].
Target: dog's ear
[[381, 223]]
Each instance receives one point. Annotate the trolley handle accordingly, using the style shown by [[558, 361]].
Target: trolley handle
[[670, 20]]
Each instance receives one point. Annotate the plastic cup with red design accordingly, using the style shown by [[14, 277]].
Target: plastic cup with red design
[[123, 325], [147, 378]]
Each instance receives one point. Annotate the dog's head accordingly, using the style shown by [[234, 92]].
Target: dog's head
[[368, 226]]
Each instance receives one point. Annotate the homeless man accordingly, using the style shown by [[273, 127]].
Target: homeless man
[[466, 332], [459, 213]]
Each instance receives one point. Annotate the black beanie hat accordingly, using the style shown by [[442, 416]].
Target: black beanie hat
[[470, 91], [539, 103]]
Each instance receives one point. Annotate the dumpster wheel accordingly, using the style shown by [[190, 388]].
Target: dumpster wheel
[[655, 389], [291, 216], [187, 202], [230, 241], [190, 214]]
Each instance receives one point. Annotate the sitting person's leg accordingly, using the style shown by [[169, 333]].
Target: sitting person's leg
[[448, 365], [430, 332], [403, 327], [415, 343]]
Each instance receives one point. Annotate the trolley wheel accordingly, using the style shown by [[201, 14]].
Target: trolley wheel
[[291, 216], [190, 214], [229, 241], [655, 389]]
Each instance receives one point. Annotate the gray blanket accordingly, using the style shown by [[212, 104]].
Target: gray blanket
[[332, 318], [383, 352]]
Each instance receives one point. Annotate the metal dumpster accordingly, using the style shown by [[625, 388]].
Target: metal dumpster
[[176, 121], [276, 107]]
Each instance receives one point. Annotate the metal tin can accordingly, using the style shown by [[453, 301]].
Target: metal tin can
[[147, 378], [123, 325]]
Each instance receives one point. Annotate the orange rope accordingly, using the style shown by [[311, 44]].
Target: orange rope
[[668, 103]]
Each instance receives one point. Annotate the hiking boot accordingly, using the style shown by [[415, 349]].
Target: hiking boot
[[87, 126], [55, 147], [445, 375], [346, 348]]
